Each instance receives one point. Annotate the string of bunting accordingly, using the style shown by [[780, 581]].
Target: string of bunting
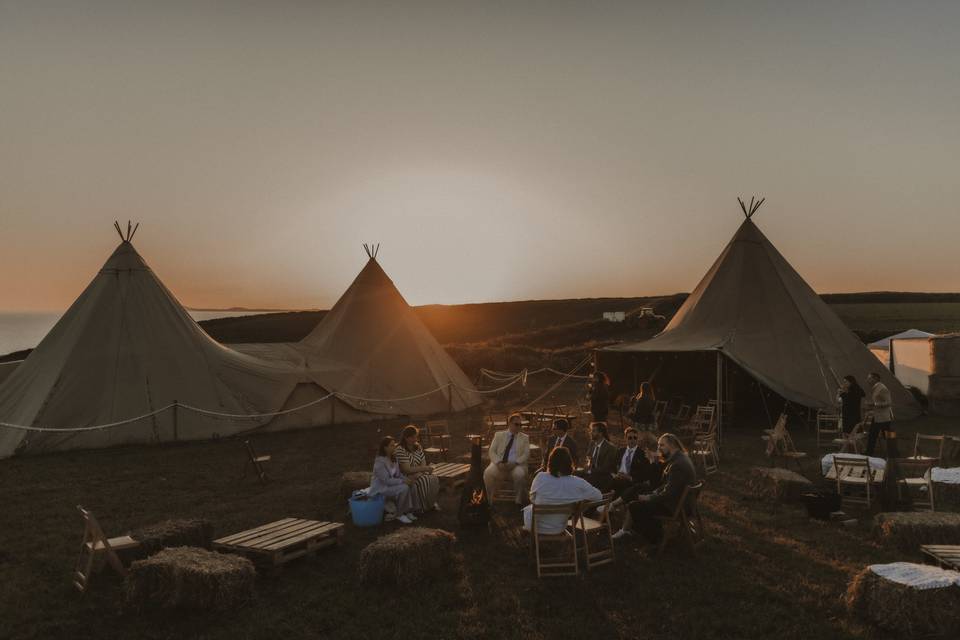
[[252, 416]]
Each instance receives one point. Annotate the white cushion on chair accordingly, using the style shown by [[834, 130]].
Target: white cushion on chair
[[826, 463]]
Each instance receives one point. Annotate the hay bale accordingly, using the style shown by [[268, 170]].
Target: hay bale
[[189, 578], [907, 531], [778, 484], [947, 496], [193, 532], [353, 480], [906, 610], [407, 557]]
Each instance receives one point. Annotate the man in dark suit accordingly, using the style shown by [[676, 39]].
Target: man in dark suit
[[561, 438], [602, 456], [678, 474], [636, 472]]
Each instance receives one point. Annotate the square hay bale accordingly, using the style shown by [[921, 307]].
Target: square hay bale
[[192, 532], [408, 557], [947, 496], [778, 484], [906, 531], [352, 481], [907, 610], [186, 577]]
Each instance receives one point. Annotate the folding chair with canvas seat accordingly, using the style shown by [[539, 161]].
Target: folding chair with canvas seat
[[437, 436], [915, 481], [94, 548], [828, 428], [685, 519], [937, 443], [559, 565], [599, 529], [257, 462], [855, 480]]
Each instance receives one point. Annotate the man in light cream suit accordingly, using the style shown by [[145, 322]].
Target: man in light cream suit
[[508, 459]]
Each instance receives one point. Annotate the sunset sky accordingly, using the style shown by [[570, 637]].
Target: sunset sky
[[497, 150]]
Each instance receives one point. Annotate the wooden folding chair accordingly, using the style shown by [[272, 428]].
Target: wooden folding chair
[[852, 441], [257, 462], [780, 444], [437, 435], [659, 409], [937, 443], [682, 415], [705, 450], [828, 428], [855, 480], [916, 482], [600, 530], [94, 548], [559, 565], [686, 518]]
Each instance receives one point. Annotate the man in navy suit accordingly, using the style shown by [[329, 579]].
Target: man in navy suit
[[561, 438]]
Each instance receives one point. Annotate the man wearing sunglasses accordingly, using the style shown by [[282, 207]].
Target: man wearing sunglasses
[[509, 451]]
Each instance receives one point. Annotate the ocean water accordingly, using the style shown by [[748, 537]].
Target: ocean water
[[24, 330]]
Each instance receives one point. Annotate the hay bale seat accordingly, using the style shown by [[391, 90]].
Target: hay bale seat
[[352, 481], [921, 601], [778, 484], [947, 496], [906, 531], [407, 557], [193, 532], [191, 578]]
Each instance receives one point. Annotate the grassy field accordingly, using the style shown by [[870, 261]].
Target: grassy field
[[883, 319], [764, 570]]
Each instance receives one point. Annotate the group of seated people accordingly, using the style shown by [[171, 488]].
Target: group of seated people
[[647, 475], [401, 474]]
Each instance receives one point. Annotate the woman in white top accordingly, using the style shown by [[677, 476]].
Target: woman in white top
[[557, 485]]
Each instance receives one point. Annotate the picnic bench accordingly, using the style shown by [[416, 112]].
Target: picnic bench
[[946, 555], [279, 542], [451, 473]]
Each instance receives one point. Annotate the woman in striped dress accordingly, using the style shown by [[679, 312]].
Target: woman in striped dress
[[413, 463]]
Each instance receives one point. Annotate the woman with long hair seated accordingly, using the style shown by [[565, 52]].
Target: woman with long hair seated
[[413, 464], [557, 485], [390, 482]]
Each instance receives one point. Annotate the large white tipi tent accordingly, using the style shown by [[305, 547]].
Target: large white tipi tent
[[127, 348], [755, 309], [373, 350]]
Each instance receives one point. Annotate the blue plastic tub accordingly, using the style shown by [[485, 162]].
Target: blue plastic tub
[[367, 513]]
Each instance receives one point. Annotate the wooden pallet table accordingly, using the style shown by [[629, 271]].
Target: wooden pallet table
[[451, 473], [279, 542], [946, 555], [856, 475]]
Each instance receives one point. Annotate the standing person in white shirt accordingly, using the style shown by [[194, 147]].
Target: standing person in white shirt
[[557, 485], [881, 408], [508, 453]]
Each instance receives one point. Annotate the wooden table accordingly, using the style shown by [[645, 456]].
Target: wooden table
[[947, 555], [278, 542], [451, 473]]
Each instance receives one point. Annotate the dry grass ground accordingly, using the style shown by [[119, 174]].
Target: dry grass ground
[[765, 570]]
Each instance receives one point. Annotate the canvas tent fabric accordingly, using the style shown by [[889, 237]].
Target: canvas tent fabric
[[373, 350], [884, 343], [756, 310], [125, 348]]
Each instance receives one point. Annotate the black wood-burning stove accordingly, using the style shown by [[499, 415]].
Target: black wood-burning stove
[[474, 506]]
